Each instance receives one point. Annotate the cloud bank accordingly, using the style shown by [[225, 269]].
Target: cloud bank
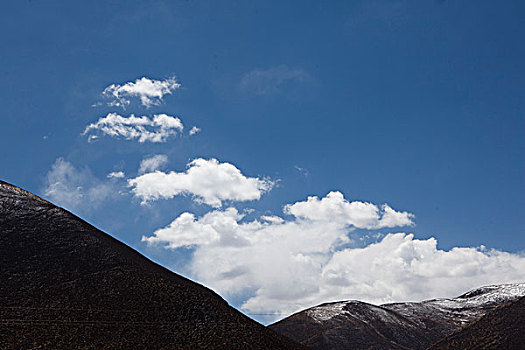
[[143, 129], [150, 92], [207, 180], [284, 265]]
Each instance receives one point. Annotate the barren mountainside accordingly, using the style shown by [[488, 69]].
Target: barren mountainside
[[358, 325], [501, 328], [67, 285]]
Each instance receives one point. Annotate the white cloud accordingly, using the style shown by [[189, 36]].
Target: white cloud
[[334, 207], [153, 163], [271, 80], [158, 129], [149, 91], [194, 130], [207, 180], [116, 175], [282, 266], [75, 189]]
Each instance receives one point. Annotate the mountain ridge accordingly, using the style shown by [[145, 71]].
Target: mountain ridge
[[411, 325]]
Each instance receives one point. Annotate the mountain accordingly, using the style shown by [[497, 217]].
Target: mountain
[[358, 325], [501, 328], [67, 285]]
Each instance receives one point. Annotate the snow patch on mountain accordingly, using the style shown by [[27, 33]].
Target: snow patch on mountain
[[325, 312]]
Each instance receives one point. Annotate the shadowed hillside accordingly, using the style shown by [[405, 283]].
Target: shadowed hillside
[[65, 284], [502, 328]]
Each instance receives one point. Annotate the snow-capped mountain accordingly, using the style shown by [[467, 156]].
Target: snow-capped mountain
[[412, 325]]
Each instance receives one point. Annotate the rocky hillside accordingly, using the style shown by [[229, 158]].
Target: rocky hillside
[[358, 325], [501, 328], [67, 285]]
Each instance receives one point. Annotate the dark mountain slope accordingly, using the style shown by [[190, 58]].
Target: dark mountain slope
[[358, 325], [65, 284], [501, 328]]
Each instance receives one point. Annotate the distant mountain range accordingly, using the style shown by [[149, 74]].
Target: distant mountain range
[[66, 285], [358, 325]]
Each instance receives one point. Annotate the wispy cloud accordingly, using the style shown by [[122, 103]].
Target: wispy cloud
[[144, 129], [272, 80], [207, 180], [150, 92], [73, 188], [303, 171]]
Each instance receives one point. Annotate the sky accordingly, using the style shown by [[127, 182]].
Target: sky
[[282, 153]]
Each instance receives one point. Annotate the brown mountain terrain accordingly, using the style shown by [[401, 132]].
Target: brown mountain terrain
[[67, 285], [358, 325], [501, 328]]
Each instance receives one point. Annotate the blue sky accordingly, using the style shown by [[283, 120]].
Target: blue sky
[[417, 104]]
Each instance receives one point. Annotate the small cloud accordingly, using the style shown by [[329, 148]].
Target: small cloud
[[153, 163], [272, 80], [150, 92], [116, 175], [45, 137], [143, 129], [194, 130]]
